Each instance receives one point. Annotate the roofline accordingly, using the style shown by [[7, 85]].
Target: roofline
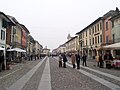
[[115, 17], [7, 18], [71, 39], [100, 18], [25, 28]]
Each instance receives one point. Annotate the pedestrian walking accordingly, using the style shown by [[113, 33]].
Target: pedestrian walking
[[64, 60], [110, 60], [110, 56], [73, 58], [106, 56], [84, 58], [100, 61], [78, 60], [97, 59], [60, 60]]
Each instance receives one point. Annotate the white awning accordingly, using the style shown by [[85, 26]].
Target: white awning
[[16, 49], [2, 48], [113, 46]]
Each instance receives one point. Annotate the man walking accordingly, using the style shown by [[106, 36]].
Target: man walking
[[84, 57], [64, 60], [78, 60]]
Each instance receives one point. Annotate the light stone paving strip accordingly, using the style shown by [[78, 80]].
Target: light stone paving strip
[[18, 85], [100, 80], [10, 73], [102, 73], [45, 82]]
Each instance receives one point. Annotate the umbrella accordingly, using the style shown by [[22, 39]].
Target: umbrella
[[16, 49]]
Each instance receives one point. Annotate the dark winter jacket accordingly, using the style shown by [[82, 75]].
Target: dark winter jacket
[[84, 57], [77, 57], [1, 59], [64, 58]]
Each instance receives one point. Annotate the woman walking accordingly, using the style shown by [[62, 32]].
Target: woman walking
[[73, 58], [60, 60], [78, 60]]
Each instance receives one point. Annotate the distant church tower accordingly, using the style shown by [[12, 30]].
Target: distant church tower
[[69, 37]]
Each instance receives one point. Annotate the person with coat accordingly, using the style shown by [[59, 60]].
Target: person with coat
[[97, 59], [1, 61], [64, 60], [110, 60], [60, 60], [106, 57], [78, 60], [110, 56], [101, 61], [73, 58], [84, 58]]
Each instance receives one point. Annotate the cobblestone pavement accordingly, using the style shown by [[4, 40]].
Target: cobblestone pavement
[[70, 79], [7, 78], [93, 64], [61, 78]]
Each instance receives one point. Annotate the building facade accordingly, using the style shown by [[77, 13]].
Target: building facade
[[72, 45], [90, 38], [116, 33], [5, 22]]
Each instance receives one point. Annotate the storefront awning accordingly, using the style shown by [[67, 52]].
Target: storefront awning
[[2, 48], [113, 46], [16, 49]]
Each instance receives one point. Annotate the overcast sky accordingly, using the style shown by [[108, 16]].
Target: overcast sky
[[50, 21]]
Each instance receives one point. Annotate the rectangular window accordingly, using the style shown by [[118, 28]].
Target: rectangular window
[[100, 25], [14, 30], [113, 38], [106, 39], [98, 39], [90, 41], [86, 33], [2, 35], [80, 36], [93, 30], [86, 42], [106, 25], [101, 38], [4, 23], [112, 24], [93, 40], [90, 31], [83, 34]]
